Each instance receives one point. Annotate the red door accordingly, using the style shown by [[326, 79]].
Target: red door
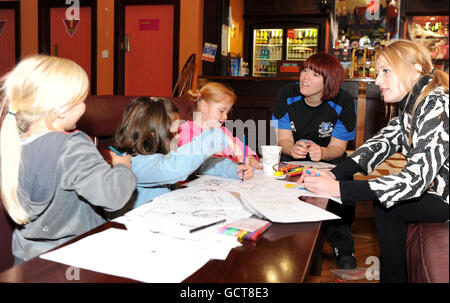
[[71, 39], [148, 62], [7, 40]]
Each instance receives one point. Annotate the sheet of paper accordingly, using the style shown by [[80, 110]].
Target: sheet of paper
[[155, 260], [267, 197], [285, 208], [299, 190], [114, 252], [178, 212], [149, 250], [259, 183]]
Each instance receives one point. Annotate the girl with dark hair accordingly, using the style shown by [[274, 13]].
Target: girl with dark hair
[[149, 133], [314, 120]]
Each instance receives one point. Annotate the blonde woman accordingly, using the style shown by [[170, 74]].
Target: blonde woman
[[419, 192], [53, 183]]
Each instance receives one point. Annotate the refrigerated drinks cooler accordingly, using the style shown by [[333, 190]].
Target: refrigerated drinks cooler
[[273, 44]]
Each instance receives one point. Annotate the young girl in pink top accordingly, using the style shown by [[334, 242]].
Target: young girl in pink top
[[212, 103]]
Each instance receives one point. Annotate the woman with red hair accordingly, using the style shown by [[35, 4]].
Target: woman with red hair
[[315, 119]]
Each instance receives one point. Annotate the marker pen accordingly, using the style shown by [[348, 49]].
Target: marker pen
[[116, 151]]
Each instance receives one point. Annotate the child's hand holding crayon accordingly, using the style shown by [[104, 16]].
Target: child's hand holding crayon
[[119, 158], [246, 169], [116, 159]]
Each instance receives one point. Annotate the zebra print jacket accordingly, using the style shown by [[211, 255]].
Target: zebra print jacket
[[427, 165]]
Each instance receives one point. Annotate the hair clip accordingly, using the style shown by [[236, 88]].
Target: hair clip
[[154, 99]]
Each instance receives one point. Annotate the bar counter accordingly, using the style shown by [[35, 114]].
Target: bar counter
[[257, 95]]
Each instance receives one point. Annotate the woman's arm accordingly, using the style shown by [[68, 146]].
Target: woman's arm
[[428, 153], [286, 141], [380, 147], [324, 183], [335, 149]]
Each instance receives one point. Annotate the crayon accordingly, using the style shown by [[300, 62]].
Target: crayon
[[116, 151]]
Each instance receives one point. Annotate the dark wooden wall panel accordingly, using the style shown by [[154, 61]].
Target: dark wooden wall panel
[[281, 7], [426, 7]]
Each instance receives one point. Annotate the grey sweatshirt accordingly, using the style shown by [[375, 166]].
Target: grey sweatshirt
[[64, 186]]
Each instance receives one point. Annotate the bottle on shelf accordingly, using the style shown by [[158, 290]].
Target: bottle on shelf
[[372, 69]]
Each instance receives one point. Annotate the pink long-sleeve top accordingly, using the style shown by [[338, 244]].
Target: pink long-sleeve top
[[189, 130]]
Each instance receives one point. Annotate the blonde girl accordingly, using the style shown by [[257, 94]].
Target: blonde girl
[[212, 104], [53, 183]]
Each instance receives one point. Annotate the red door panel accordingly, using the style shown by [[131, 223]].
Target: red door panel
[[148, 63], [7, 40], [68, 41]]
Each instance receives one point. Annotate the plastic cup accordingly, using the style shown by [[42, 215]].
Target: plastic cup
[[270, 158]]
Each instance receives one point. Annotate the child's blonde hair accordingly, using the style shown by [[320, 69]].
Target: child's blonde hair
[[211, 92], [39, 87]]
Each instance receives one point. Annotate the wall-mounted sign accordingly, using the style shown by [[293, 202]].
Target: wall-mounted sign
[[289, 68], [149, 24], [71, 26], [209, 52]]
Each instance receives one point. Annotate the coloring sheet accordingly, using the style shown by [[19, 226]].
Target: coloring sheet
[[178, 212], [285, 208], [258, 184]]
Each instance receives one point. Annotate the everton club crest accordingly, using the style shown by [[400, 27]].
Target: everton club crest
[[325, 129], [71, 26]]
